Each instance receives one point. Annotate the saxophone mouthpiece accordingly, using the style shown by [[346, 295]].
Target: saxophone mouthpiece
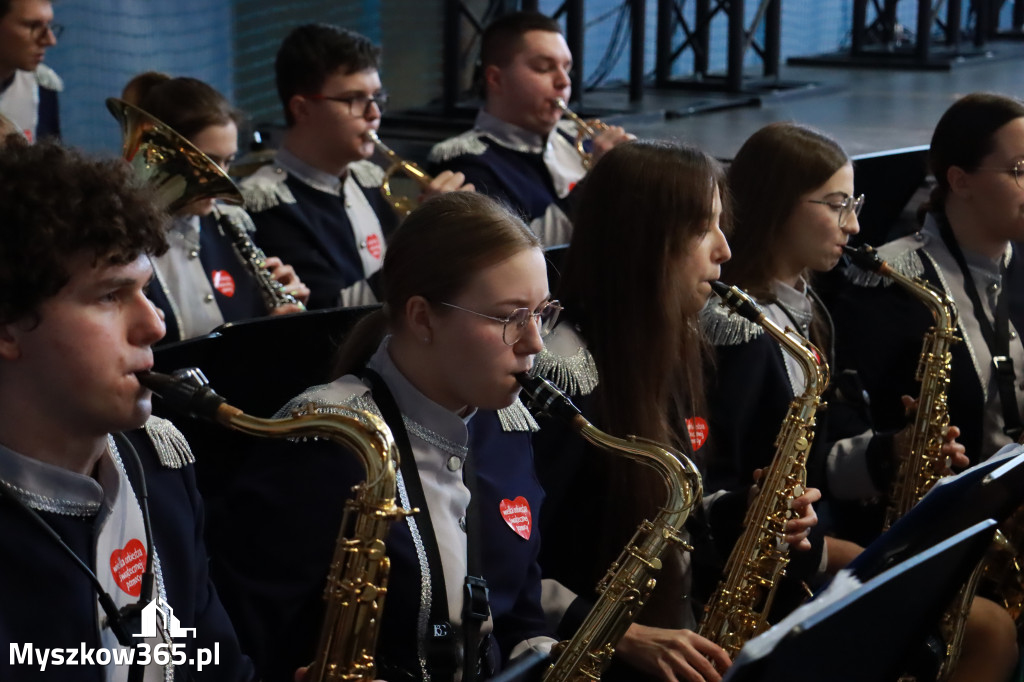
[[186, 391], [544, 398], [865, 258], [738, 301]]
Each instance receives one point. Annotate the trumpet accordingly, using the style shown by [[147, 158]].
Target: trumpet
[[402, 205], [584, 131]]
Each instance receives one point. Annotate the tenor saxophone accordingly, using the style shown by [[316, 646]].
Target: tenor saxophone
[[357, 581], [923, 463], [253, 259], [630, 579], [738, 608]]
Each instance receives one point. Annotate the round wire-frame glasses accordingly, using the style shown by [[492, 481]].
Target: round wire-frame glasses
[[513, 326], [846, 207]]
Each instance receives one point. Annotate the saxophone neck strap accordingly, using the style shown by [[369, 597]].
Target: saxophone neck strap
[[995, 332], [442, 654]]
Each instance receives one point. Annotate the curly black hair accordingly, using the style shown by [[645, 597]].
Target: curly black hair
[[55, 204]]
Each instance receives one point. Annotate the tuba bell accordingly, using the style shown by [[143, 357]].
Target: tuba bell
[[167, 163], [402, 205]]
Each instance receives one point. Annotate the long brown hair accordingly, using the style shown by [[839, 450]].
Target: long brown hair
[[186, 104], [435, 253], [775, 167], [640, 210]]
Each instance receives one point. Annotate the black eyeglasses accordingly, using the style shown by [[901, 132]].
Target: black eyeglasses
[[38, 29], [359, 104], [1017, 171], [514, 325], [846, 207]]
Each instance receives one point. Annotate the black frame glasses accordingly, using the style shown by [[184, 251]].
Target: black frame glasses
[[845, 207], [38, 29], [359, 104], [545, 317]]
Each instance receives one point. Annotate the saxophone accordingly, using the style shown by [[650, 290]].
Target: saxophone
[[630, 579], [738, 608], [923, 463], [232, 224], [357, 582]]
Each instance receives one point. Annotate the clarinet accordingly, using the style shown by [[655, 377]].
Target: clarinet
[[233, 225]]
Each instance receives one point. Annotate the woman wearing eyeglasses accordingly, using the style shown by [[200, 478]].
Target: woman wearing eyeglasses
[[201, 282], [466, 301], [968, 248]]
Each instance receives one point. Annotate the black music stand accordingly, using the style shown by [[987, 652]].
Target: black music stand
[[867, 633]]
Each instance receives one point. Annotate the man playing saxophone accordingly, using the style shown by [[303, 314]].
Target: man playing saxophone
[[202, 281], [318, 205], [517, 150]]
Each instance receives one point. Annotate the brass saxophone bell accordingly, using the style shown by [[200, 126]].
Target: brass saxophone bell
[[171, 166]]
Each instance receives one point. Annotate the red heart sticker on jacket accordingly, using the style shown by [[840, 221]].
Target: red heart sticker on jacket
[[373, 245], [698, 428], [517, 515], [128, 565], [223, 282]]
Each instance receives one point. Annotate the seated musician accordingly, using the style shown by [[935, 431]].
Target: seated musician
[[466, 300], [201, 282], [518, 151], [793, 192], [98, 503], [319, 205], [29, 88], [967, 249]]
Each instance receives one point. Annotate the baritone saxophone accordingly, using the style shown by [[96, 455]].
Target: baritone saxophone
[[357, 581], [738, 608], [630, 579]]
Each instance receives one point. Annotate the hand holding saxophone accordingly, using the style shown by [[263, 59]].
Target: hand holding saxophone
[[804, 518], [955, 452]]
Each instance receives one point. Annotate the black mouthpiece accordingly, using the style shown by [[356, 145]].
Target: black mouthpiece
[[738, 301], [865, 258], [544, 398], [186, 391]]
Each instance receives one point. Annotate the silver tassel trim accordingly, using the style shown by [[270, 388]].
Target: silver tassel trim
[[575, 374], [516, 417], [722, 327], [171, 446], [907, 263]]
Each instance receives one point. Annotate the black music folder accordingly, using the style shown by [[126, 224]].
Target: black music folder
[[860, 632]]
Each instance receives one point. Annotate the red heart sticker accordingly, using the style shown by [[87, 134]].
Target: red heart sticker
[[698, 428], [517, 515], [223, 282], [128, 565], [373, 245]]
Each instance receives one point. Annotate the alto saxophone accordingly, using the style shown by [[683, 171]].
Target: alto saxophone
[[923, 463], [630, 579], [357, 582], [738, 608], [253, 258]]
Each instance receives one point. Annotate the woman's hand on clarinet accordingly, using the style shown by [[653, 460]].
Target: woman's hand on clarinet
[[672, 655], [289, 279]]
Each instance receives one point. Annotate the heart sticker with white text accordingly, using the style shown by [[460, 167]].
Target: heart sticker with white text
[[517, 515], [128, 565], [698, 428]]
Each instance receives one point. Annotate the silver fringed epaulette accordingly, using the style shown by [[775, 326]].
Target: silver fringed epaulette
[[516, 417], [468, 143], [722, 327], [324, 395], [266, 189], [238, 216], [367, 173], [48, 78], [901, 255], [171, 447], [575, 374]]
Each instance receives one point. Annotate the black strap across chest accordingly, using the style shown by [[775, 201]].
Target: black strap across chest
[[442, 655], [995, 332]]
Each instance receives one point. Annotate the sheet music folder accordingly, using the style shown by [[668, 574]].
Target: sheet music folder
[[993, 489], [864, 632]]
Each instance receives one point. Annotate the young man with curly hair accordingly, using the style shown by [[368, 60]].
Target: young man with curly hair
[[102, 522]]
